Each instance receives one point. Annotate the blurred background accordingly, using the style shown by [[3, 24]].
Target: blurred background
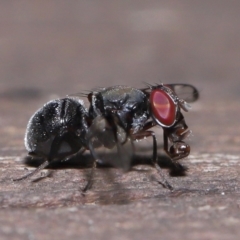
[[49, 49]]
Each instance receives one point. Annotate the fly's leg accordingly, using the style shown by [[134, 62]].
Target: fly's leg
[[144, 134], [91, 177], [52, 154], [54, 147], [176, 134], [37, 170]]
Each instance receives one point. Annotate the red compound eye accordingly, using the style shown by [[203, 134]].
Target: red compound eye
[[163, 107]]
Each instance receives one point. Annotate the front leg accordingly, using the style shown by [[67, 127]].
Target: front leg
[[177, 150], [176, 134]]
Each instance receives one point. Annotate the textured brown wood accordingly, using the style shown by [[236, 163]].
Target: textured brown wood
[[53, 48]]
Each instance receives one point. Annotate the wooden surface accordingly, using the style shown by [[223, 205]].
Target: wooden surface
[[51, 49]]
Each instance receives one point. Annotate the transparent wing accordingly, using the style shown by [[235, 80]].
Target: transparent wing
[[109, 143], [186, 92]]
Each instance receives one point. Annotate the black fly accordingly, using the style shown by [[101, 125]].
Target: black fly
[[117, 116]]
